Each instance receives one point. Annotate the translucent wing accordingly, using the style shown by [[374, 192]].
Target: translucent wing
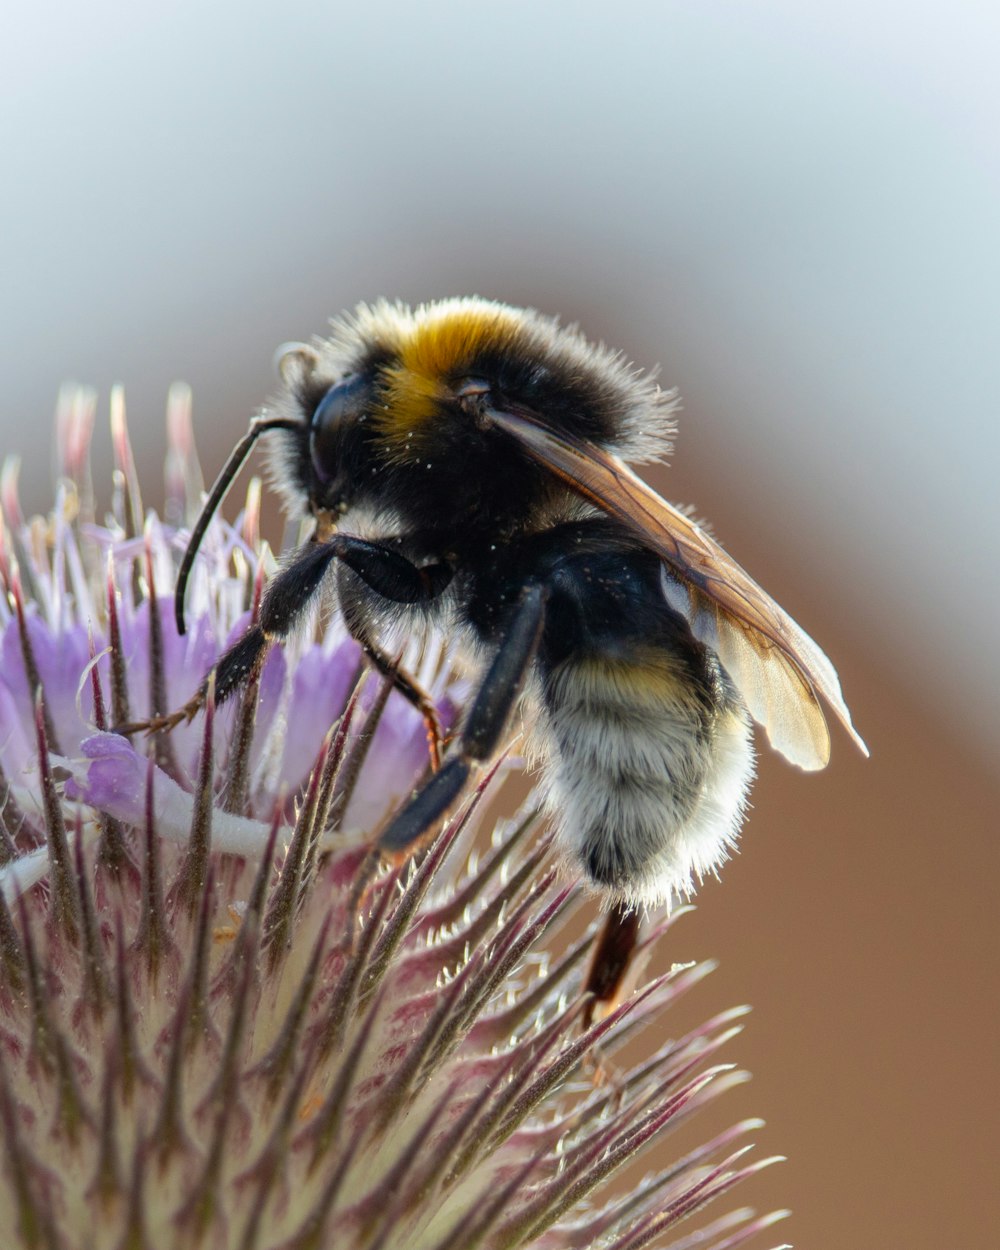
[[774, 664]]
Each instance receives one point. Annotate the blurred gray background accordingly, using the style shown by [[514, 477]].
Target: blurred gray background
[[791, 208]]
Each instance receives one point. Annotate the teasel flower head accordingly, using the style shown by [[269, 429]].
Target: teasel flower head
[[211, 1033]]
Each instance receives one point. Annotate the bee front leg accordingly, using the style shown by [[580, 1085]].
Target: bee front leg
[[285, 599], [288, 596], [483, 728]]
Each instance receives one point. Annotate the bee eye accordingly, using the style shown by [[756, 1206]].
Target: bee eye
[[341, 406]]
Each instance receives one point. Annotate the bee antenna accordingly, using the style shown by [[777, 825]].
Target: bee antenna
[[237, 458]]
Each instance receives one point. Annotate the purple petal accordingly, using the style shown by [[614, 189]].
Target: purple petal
[[17, 744], [111, 777], [399, 754], [319, 692], [60, 659], [186, 661], [273, 679]]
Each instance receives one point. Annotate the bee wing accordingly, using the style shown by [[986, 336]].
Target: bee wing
[[774, 664]]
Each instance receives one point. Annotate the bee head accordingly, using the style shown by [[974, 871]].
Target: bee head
[[321, 457]]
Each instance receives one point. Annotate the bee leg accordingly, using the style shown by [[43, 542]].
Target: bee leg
[[397, 579], [383, 570], [481, 733], [606, 985], [410, 689], [609, 965], [288, 595]]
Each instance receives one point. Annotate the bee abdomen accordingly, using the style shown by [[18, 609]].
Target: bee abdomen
[[650, 772]]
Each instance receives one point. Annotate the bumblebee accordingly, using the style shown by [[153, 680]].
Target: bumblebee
[[466, 464]]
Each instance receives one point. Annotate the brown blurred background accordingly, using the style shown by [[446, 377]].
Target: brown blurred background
[[794, 213]]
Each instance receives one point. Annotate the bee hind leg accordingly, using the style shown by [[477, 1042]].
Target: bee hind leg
[[611, 961]]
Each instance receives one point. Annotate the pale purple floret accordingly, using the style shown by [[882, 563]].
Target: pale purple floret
[[296, 705]]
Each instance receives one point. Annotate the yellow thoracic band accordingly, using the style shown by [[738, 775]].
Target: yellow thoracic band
[[443, 342]]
